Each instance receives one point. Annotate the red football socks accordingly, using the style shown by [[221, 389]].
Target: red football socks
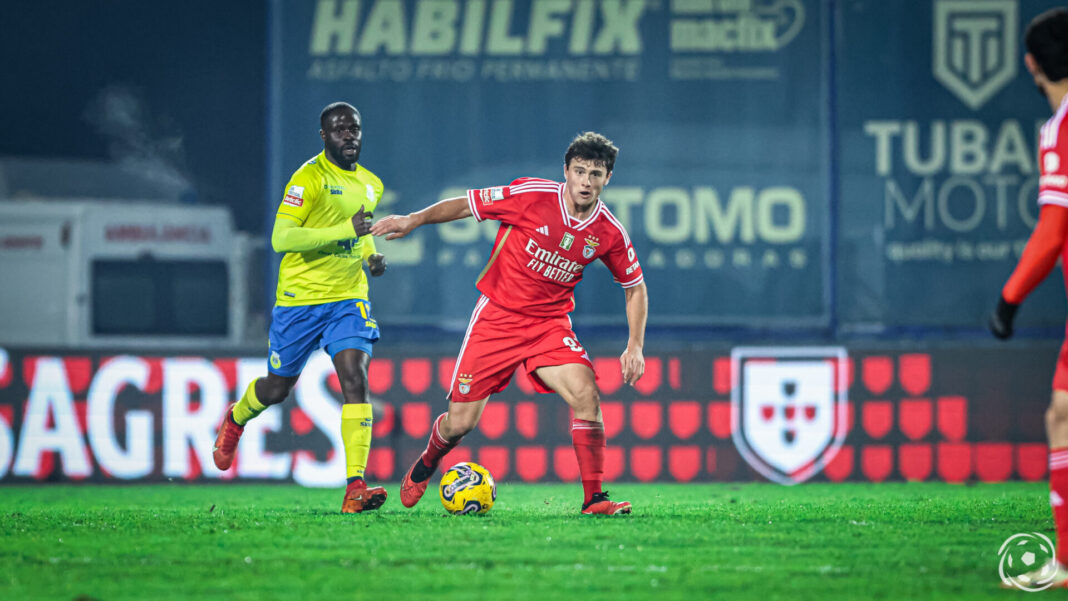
[[588, 439], [437, 447], [1058, 499]]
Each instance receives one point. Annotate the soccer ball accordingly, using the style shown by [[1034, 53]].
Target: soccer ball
[[467, 488]]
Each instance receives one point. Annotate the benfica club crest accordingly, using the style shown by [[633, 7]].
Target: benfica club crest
[[788, 409], [591, 247]]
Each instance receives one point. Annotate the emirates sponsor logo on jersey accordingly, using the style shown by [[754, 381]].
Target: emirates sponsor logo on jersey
[[551, 264], [294, 196]]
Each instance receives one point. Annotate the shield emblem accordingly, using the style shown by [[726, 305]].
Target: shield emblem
[[975, 47], [788, 409], [588, 251]]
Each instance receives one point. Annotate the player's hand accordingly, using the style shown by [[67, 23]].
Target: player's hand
[[361, 222], [377, 264], [633, 363], [394, 226], [1000, 322]]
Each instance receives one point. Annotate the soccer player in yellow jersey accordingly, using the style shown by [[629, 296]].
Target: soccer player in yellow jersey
[[322, 226]]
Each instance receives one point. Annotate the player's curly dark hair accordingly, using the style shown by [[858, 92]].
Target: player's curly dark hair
[[592, 146], [333, 106], [1046, 39]]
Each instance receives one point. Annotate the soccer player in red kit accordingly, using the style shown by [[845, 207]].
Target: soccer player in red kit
[[549, 233], [1046, 39]]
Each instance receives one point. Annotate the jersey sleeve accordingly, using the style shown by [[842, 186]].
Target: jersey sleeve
[[374, 190], [1053, 176], [504, 203], [622, 260], [300, 194]]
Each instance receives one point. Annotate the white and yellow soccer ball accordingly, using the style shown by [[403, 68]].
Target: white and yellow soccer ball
[[467, 488]]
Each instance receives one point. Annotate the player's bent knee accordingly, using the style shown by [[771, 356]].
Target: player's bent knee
[[274, 388], [460, 425]]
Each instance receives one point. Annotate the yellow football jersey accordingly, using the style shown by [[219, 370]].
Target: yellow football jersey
[[319, 195]]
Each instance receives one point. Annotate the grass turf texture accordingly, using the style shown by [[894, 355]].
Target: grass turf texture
[[755, 541]]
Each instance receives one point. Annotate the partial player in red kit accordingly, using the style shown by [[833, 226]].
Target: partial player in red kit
[[549, 233], [1046, 39]]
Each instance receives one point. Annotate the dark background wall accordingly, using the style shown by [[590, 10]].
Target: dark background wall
[[187, 78]]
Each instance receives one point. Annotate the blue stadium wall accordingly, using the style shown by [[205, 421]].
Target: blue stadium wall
[[836, 168]]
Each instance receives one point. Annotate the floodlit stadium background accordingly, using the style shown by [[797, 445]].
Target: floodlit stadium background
[[836, 175]]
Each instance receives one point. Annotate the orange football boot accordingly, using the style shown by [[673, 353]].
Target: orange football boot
[[359, 498], [600, 505], [411, 491], [226, 441]]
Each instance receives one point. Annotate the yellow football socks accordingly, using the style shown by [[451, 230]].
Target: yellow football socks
[[356, 423], [249, 406]]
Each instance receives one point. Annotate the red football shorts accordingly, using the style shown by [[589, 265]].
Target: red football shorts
[[1060, 377], [498, 341]]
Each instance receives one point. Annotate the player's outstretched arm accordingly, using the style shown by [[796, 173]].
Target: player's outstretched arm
[[1038, 259], [632, 360], [290, 236], [399, 226]]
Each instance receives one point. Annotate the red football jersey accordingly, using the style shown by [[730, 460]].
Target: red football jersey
[[1052, 155], [541, 251]]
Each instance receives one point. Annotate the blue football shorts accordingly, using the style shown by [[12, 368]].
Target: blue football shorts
[[296, 332]]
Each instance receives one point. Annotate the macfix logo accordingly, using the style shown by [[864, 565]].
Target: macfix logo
[[474, 27]]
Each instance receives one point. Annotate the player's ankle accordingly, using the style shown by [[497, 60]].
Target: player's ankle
[[421, 471]]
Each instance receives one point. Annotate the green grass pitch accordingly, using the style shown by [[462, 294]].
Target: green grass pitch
[[749, 541]]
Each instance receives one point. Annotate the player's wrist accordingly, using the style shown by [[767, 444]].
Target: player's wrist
[[1001, 320]]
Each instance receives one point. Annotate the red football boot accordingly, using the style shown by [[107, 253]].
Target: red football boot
[[359, 498], [410, 491], [600, 505], [226, 441]]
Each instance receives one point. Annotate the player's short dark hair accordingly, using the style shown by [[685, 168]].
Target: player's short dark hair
[[592, 146], [1046, 38], [334, 106]]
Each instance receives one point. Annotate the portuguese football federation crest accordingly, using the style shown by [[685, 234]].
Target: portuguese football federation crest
[[788, 409], [567, 241], [591, 247]]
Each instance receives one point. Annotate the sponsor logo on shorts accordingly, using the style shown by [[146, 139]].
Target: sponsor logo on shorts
[[294, 196]]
